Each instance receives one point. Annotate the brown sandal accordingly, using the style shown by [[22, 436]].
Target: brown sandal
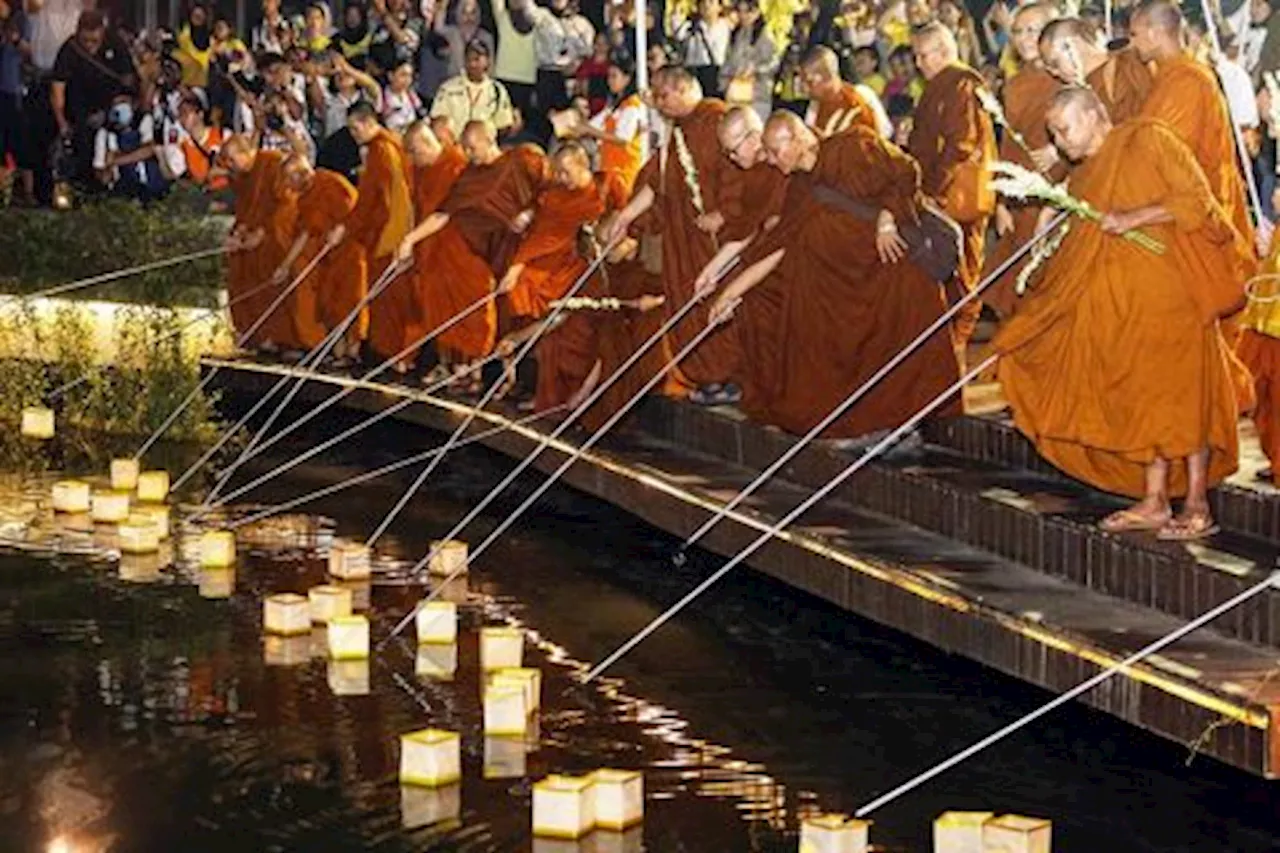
[[1189, 527], [1131, 521]]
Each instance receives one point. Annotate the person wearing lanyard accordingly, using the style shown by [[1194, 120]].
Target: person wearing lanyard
[[473, 95]]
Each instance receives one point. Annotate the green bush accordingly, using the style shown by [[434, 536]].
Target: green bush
[[43, 248]]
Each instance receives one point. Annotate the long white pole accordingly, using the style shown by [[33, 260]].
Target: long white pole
[[642, 70]]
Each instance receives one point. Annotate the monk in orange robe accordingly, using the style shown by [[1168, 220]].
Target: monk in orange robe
[[834, 104], [383, 213], [335, 285], [1259, 349], [1072, 50], [399, 322], [462, 247], [1026, 99], [264, 214], [689, 185], [1115, 365], [851, 300], [954, 142]]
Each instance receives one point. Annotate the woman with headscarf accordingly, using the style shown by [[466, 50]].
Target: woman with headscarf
[[195, 47], [355, 36]]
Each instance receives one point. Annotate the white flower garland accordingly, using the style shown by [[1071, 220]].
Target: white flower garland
[[1041, 253], [586, 303], [690, 170]]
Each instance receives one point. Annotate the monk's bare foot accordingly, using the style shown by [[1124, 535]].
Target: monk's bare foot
[[1190, 525], [1147, 515]]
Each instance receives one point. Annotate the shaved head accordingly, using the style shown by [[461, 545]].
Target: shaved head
[[740, 134], [571, 166], [298, 173], [480, 141], [676, 92], [821, 56], [421, 144], [237, 153], [1028, 23], [789, 145], [1071, 49], [820, 71], [935, 48], [1078, 122], [1161, 14], [1155, 30]]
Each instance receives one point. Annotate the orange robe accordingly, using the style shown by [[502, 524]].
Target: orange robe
[[1026, 99], [847, 109], [339, 281], [686, 249], [1115, 356], [461, 261], [1122, 83], [1259, 349], [623, 160], [842, 314], [398, 320], [382, 216], [955, 143], [262, 200]]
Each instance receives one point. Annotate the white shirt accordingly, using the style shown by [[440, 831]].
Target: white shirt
[[400, 110], [1241, 101], [50, 28], [628, 120], [106, 141], [695, 46], [462, 101]]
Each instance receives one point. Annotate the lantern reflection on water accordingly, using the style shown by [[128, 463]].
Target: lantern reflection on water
[[278, 650], [421, 806], [217, 582], [505, 757], [437, 661], [348, 677]]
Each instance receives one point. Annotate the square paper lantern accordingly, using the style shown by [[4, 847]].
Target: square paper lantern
[[138, 536], [437, 622], [328, 602], [959, 832], [833, 833], [37, 422], [141, 568], [217, 549], [562, 807], [421, 807], [349, 561], [437, 661], [124, 474], [71, 496], [430, 758], [505, 757], [109, 507], [505, 710], [349, 638], [278, 650], [619, 798], [158, 516], [286, 613], [449, 560], [349, 677], [526, 678], [217, 582], [501, 648], [1013, 833], [153, 486]]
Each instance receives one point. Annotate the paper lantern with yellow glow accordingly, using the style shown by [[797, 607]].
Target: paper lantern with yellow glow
[[328, 602], [217, 582], [450, 558], [349, 638], [563, 807], [217, 549], [437, 661], [142, 568], [349, 677], [153, 486], [138, 536], [124, 474], [155, 515], [1013, 833], [421, 807], [527, 679], [505, 710], [37, 422], [959, 832], [619, 798], [350, 561], [505, 757], [834, 833], [278, 650], [286, 613], [71, 496], [437, 622], [501, 648], [431, 758], [109, 507]]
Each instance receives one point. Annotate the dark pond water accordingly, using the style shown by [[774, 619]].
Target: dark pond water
[[139, 710]]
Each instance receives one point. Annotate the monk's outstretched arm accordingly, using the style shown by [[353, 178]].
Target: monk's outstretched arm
[[422, 231], [292, 255], [729, 298], [637, 207]]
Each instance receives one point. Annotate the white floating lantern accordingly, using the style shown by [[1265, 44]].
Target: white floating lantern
[[153, 486], [124, 474], [1013, 833], [286, 613], [833, 833], [619, 798], [608, 841], [137, 535], [37, 422], [217, 549], [71, 496], [526, 678], [217, 582], [562, 807], [437, 661], [109, 507], [505, 757], [141, 568], [286, 651], [328, 602], [450, 558], [501, 648], [505, 710], [158, 516], [349, 677], [430, 758], [959, 832], [437, 622], [349, 638], [421, 807], [350, 561]]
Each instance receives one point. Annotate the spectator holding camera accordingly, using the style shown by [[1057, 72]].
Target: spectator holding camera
[[274, 33]]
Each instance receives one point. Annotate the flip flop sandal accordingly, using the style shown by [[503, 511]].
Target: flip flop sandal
[[1128, 521], [1188, 529], [715, 394]]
